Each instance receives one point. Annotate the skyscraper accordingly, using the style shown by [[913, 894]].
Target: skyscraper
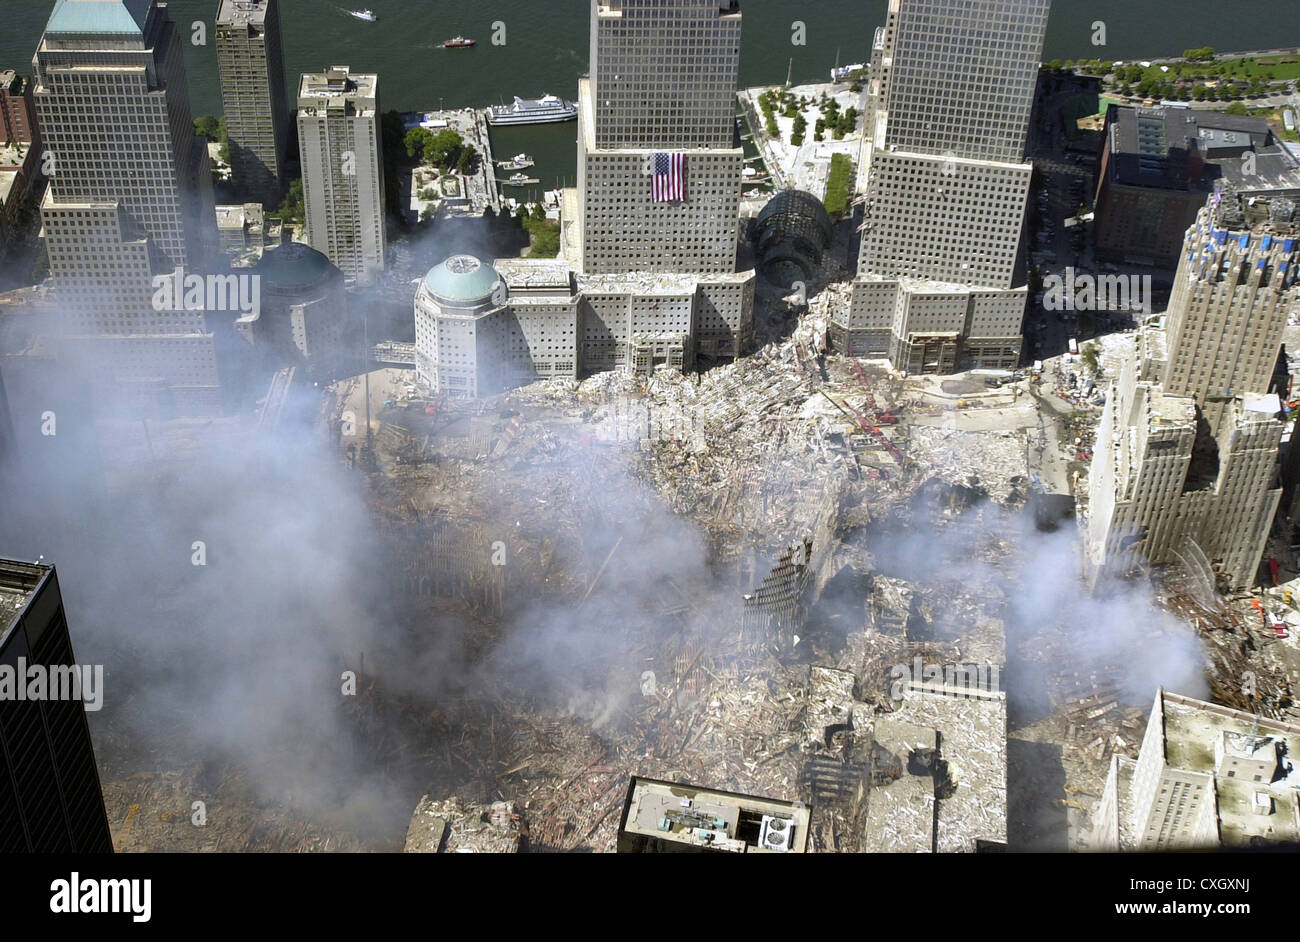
[[343, 169], [662, 87], [50, 795], [130, 195], [250, 59], [950, 92], [1185, 468]]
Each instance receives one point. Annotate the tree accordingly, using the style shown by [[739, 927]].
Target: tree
[[1237, 107], [466, 161], [800, 129], [207, 125], [293, 209]]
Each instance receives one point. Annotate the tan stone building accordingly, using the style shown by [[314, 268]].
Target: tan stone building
[[1206, 777], [1186, 456]]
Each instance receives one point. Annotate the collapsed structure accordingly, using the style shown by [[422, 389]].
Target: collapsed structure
[[940, 286], [1188, 443], [1206, 777]]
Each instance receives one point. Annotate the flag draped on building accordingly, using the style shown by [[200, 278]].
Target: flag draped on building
[[669, 180]]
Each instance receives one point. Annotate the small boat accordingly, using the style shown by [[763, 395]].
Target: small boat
[[369, 16], [459, 42], [520, 179], [517, 162]]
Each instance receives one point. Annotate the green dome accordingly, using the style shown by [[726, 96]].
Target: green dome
[[461, 279], [293, 265]]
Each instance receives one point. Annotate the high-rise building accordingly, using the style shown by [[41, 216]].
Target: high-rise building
[[949, 96], [130, 195], [50, 795], [343, 169], [662, 89], [1206, 777], [1185, 467], [250, 59]]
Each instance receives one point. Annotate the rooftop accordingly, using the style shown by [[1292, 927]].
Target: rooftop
[[1192, 728], [704, 819], [115, 17], [462, 278], [241, 12], [294, 265], [18, 583], [1189, 149]]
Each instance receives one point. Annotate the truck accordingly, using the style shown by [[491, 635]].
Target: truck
[[1074, 347]]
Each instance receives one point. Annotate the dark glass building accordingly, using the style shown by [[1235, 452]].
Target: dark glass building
[[50, 797]]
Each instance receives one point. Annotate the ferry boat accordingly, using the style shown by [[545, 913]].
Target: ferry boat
[[544, 110], [369, 16], [459, 42]]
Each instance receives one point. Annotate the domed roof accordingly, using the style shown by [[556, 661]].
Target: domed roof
[[293, 265], [461, 279], [800, 205]]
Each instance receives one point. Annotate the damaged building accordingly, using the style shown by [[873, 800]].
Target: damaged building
[[1206, 777], [666, 817], [939, 284], [483, 328], [1188, 443]]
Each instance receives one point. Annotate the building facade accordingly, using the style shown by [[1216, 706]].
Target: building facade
[[1188, 443], [663, 81], [948, 100], [130, 197], [481, 329], [1206, 777], [50, 795], [17, 110], [250, 61], [343, 169]]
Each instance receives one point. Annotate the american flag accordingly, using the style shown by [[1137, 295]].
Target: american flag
[[669, 180]]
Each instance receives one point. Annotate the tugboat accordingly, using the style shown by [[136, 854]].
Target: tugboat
[[369, 16], [459, 42]]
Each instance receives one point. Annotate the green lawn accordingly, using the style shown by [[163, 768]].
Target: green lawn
[[837, 185]]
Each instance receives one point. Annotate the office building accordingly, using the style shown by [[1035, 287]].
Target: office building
[[662, 87], [481, 329], [1186, 458], [940, 284], [343, 169], [50, 795], [1206, 777], [1159, 165], [130, 198], [669, 818], [250, 60]]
